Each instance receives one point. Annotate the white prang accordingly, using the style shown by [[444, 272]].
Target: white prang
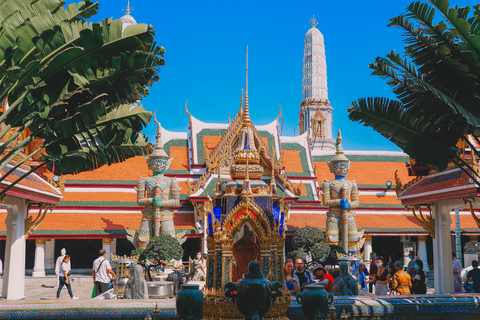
[[314, 67], [315, 104]]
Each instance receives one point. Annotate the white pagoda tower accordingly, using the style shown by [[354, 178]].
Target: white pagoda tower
[[315, 110]]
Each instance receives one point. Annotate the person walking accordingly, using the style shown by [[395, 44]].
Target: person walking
[[64, 279], [472, 280], [418, 281], [100, 271], [381, 278], [401, 280], [302, 275], [290, 281], [457, 270]]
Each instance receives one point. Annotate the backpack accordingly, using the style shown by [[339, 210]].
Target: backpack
[[476, 281]]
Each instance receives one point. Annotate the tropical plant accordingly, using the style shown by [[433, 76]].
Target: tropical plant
[[164, 247], [437, 83], [72, 84], [309, 240]]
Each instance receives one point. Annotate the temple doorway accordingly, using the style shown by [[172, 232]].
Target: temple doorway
[[246, 248]]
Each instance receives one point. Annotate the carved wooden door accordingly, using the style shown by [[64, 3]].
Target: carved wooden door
[[244, 251]]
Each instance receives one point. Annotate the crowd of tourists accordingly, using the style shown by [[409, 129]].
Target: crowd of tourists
[[384, 277]]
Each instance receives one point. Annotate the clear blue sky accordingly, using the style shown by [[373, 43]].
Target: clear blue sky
[[205, 45]]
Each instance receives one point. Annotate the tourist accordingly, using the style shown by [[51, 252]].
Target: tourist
[[100, 271], [419, 285], [457, 270], [363, 276], [372, 271], [200, 268], [302, 275], [59, 261], [381, 278], [64, 279], [291, 282], [472, 281], [401, 279], [323, 277], [411, 264], [391, 264]]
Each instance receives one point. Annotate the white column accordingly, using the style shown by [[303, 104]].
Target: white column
[[106, 245], [442, 249], [50, 254], [39, 261], [14, 273], [422, 252], [113, 250], [367, 251]]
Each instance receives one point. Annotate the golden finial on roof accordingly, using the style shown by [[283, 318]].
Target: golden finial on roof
[[128, 9], [246, 114], [313, 21]]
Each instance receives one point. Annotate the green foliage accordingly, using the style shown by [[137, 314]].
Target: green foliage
[[72, 83], [309, 239], [332, 256], [306, 237], [320, 251], [164, 247], [137, 251], [436, 81]]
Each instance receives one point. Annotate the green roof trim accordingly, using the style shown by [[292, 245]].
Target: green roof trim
[[364, 158], [200, 135], [176, 143], [303, 159], [268, 135]]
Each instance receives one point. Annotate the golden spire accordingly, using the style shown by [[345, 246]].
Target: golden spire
[[128, 9], [313, 21], [246, 114]]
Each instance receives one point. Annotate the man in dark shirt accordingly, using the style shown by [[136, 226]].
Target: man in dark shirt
[[302, 275]]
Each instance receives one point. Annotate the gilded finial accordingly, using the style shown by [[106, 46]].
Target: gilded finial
[[339, 154], [158, 152], [246, 114], [313, 21], [128, 9]]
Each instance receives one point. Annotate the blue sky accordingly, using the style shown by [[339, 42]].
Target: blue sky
[[205, 45]]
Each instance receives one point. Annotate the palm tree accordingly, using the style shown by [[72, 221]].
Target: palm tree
[[72, 83], [437, 83]]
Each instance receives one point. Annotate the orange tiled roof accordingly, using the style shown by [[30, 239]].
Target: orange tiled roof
[[367, 173], [292, 161], [83, 222], [376, 222], [129, 170], [209, 143], [180, 158], [32, 181]]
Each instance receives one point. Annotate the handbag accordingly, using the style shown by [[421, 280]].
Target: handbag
[[393, 292]]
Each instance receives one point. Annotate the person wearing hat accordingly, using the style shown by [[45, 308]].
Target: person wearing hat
[[401, 280], [323, 277]]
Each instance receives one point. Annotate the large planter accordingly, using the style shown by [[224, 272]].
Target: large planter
[[190, 302], [314, 300]]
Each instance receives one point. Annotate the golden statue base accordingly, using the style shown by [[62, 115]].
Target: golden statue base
[[217, 307]]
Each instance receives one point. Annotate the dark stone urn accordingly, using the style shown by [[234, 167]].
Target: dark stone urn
[[314, 300], [253, 292], [190, 302]]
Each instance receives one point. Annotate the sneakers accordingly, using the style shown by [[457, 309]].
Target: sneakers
[[57, 298], [74, 298]]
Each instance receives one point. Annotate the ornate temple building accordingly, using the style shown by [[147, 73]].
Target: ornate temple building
[[286, 175]]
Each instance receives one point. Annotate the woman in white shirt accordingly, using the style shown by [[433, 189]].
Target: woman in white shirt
[[63, 278]]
